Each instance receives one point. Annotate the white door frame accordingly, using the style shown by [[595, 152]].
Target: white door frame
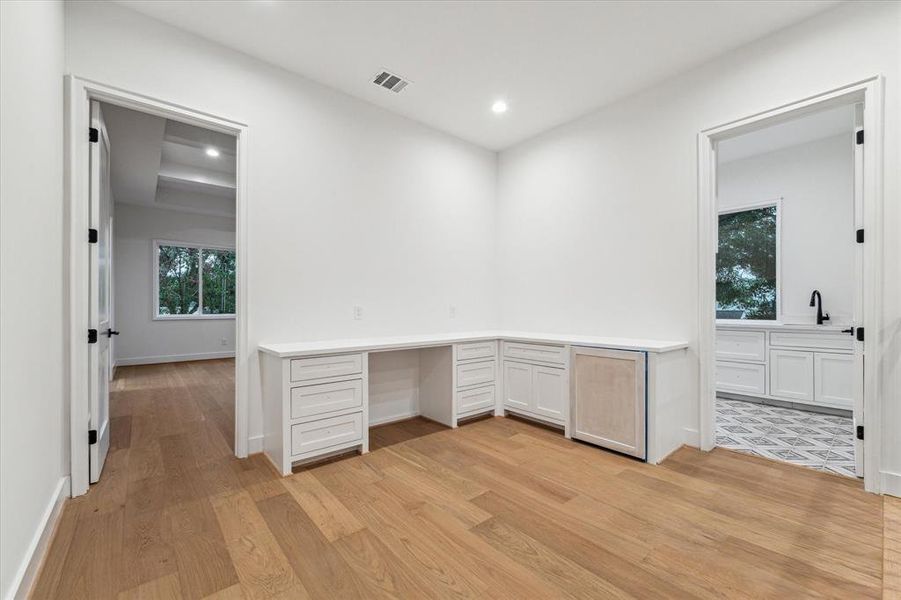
[[79, 93], [870, 92]]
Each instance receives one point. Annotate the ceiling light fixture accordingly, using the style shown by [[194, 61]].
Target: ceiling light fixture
[[499, 107], [212, 152]]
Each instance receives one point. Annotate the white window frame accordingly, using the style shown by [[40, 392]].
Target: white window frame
[[777, 202], [155, 259]]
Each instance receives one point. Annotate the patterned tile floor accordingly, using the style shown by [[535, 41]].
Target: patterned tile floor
[[822, 442]]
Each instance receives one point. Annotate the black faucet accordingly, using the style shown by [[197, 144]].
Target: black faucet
[[817, 300]]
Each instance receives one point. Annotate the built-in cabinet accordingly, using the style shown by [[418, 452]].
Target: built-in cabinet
[[475, 368], [536, 381], [610, 399], [815, 367]]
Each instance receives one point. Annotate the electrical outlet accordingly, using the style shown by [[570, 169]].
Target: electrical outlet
[[452, 312], [358, 313]]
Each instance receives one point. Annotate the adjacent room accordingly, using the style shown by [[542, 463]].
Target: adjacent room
[[432, 299]]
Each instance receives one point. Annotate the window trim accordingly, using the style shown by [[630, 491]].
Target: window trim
[[155, 275], [777, 202]]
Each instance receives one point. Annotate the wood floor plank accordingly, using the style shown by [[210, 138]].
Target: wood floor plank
[[497, 508]]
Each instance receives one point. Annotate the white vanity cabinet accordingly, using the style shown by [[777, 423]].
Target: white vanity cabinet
[[802, 365], [536, 381]]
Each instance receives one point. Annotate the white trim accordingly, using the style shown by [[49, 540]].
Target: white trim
[[691, 437], [777, 202], [891, 483], [79, 93], [870, 92], [394, 419], [28, 571], [255, 444], [170, 358], [155, 281]]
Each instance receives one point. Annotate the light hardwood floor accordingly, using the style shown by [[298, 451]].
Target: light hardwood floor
[[496, 509]]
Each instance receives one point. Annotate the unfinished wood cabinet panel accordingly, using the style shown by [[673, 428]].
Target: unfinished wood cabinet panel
[[608, 391]]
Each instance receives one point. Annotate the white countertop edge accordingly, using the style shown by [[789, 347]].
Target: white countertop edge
[[287, 350]]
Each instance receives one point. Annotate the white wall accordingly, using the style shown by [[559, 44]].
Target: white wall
[[143, 340], [350, 204], [816, 183], [393, 386], [598, 218], [33, 415]]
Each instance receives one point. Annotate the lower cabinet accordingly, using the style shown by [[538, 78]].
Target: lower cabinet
[[609, 399], [791, 375], [537, 390], [833, 383]]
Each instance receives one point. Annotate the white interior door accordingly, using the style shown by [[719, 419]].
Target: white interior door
[[100, 295], [858, 318]]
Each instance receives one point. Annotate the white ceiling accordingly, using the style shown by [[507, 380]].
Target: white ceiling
[[163, 164], [809, 128], [551, 61]]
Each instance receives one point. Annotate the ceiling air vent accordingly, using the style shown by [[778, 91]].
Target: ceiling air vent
[[390, 81]]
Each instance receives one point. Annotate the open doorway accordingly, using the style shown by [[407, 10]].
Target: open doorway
[[788, 294], [163, 286]]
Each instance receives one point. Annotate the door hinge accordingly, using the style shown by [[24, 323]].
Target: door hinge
[[859, 136], [860, 432], [859, 332], [859, 236], [92, 336], [94, 135], [92, 437], [93, 236]]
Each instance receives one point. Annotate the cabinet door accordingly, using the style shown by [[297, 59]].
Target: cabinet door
[[549, 392], [791, 375], [834, 379], [517, 385], [609, 402]]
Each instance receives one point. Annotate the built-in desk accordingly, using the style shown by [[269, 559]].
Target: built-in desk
[[316, 394]]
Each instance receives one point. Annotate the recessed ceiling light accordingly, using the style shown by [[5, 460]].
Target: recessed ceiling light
[[212, 152], [499, 107]]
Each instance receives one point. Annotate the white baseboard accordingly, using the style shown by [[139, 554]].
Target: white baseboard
[[392, 419], [255, 444], [691, 437], [40, 543], [891, 483], [154, 360]]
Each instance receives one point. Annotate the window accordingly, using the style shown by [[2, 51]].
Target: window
[[193, 282], [747, 282]]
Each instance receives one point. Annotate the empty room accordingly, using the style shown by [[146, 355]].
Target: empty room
[[432, 299]]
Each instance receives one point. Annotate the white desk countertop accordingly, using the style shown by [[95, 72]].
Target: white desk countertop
[[287, 350]]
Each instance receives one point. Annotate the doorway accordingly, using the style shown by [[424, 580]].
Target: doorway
[[787, 285], [160, 282]]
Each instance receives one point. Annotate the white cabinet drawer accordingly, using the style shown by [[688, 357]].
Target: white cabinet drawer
[[476, 373], [325, 398], [832, 340], [791, 375], [474, 400], [741, 378], [740, 345], [537, 352], [326, 433], [305, 369], [486, 349]]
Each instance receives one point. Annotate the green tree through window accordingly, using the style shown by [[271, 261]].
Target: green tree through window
[[195, 281], [746, 265]]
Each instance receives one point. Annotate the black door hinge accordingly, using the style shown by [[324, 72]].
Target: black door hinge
[[93, 236], [94, 135], [859, 332], [860, 432], [859, 235], [92, 437], [860, 136], [92, 336]]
